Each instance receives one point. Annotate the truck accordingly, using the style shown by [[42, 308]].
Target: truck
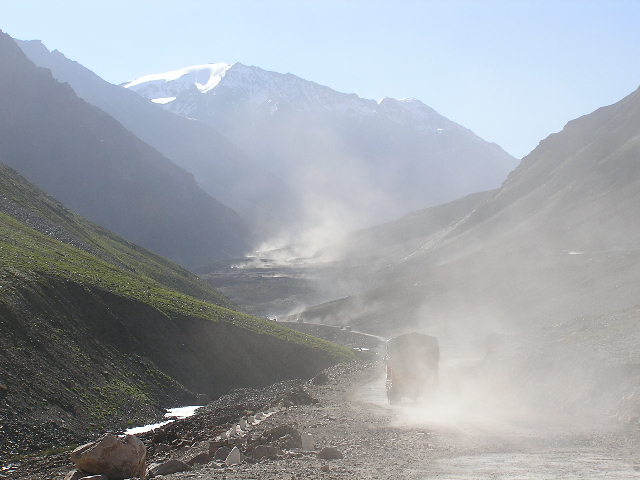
[[412, 367]]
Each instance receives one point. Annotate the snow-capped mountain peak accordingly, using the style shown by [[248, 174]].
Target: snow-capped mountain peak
[[159, 86], [214, 91], [315, 138], [183, 90], [179, 89]]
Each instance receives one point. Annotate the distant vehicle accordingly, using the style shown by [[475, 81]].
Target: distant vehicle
[[412, 366]]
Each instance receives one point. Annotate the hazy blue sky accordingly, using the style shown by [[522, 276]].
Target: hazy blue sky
[[513, 71]]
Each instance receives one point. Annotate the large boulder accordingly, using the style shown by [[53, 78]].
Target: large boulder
[[115, 457]]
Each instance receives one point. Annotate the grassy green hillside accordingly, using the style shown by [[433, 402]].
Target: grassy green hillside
[[98, 333], [115, 265], [44, 213]]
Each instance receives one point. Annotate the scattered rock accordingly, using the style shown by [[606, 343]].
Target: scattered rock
[[324, 468], [161, 449], [115, 457], [169, 467], [320, 379], [284, 437], [222, 453], [264, 451], [234, 457], [199, 459], [308, 442], [296, 396], [288, 442], [215, 445], [330, 453]]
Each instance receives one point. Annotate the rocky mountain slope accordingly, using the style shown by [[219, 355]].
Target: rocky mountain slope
[[558, 240], [219, 167], [344, 158], [98, 333], [90, 162]]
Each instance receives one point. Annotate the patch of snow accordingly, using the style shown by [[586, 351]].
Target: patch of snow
[[205, 77], [172, 413], [182, 412], [146, 428], [163, 100], [575, 253]]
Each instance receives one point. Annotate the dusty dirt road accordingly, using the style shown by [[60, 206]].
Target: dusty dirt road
[[411, 442], [445, 440]]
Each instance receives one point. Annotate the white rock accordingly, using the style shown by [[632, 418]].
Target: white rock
[[308, 442], [243, 424], [234, 457]]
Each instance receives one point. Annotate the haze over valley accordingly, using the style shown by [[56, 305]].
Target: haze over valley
[[212, 268]]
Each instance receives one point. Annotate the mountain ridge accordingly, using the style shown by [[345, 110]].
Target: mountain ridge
[[239, 75], [401, 154], [95, 166], [219, 167], [557, 241]]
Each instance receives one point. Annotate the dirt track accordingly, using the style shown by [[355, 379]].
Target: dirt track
[[379, 442], [408, 442]]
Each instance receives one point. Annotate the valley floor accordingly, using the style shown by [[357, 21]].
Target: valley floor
[[382, 442]]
